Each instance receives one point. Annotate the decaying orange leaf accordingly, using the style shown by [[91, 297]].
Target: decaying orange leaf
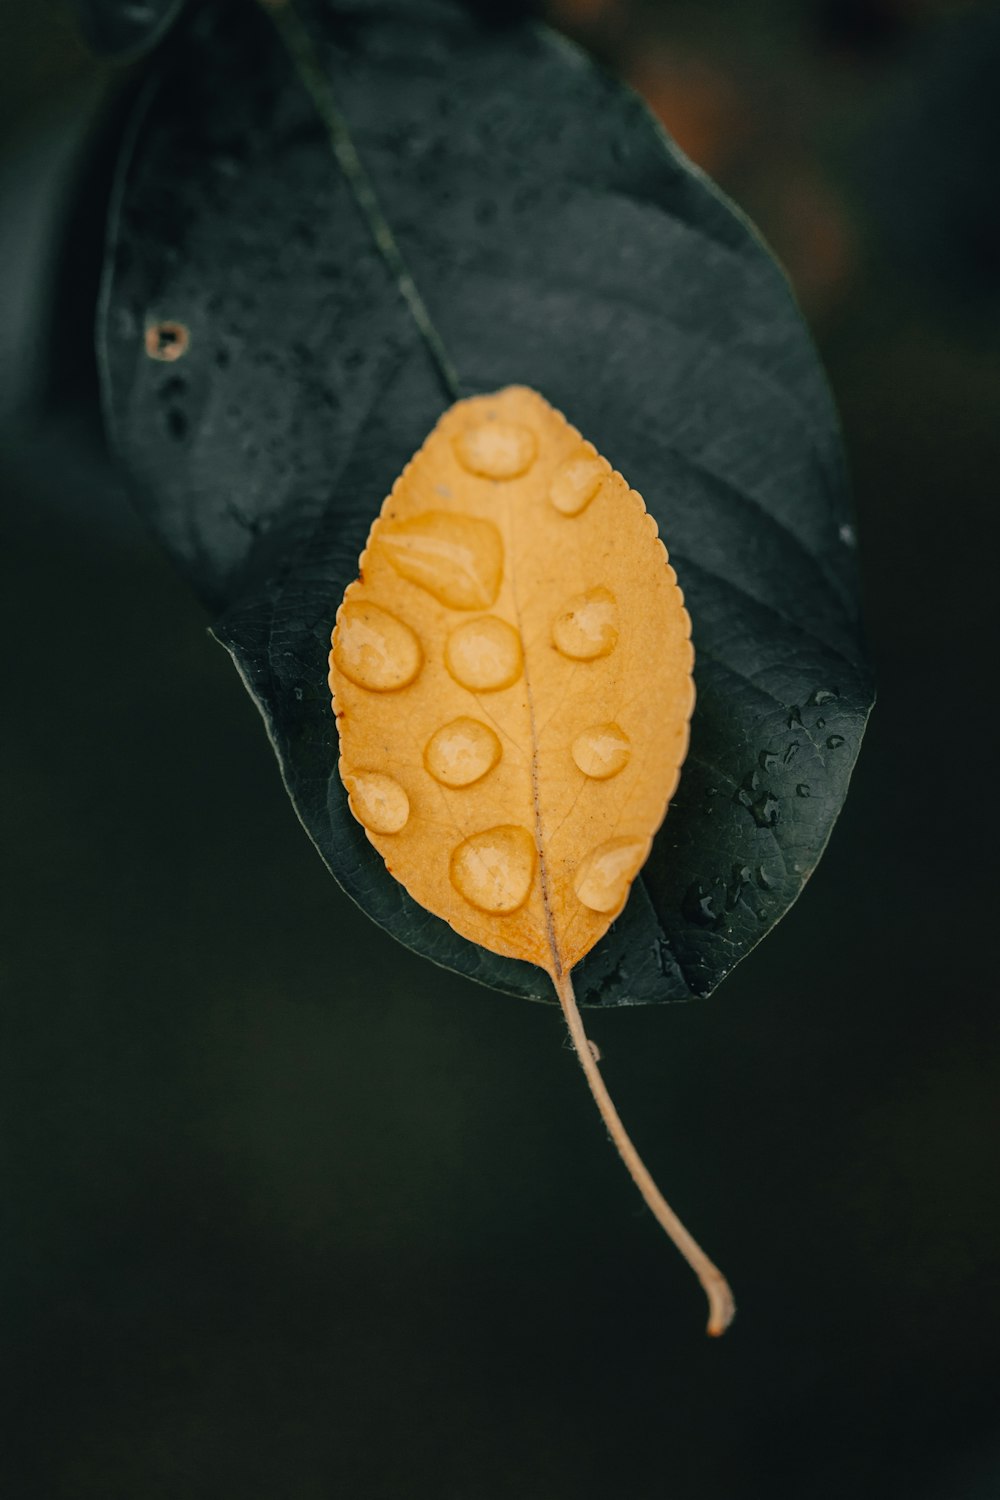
[[511, 676]]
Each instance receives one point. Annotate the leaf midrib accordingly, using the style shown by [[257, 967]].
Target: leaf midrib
[[543, 871]]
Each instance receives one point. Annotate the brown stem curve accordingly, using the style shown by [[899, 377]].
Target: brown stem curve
[[721, 1306]]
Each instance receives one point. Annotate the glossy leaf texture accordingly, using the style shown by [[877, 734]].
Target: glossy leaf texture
[[265, 382], [124, 29]]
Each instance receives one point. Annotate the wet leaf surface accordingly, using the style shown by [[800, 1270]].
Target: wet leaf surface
[[265, 382], [511, 680]]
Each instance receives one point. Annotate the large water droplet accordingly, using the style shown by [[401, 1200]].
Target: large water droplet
[[374, 649], [497, 450], [588, 626], [377, 801], [458, 559], [603, 878], [493, 870], [602, 751], [575, 483], [461, 752], [484, 655]]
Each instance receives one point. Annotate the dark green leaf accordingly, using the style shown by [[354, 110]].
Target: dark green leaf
[[558, 241], [125, 28]]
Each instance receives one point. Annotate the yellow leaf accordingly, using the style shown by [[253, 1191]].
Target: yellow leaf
[[511, 676]]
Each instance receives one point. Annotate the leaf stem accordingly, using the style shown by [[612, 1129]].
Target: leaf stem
[[316, 80], [721, 1307]]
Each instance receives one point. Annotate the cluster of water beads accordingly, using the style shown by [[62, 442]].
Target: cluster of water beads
[[459, 561]]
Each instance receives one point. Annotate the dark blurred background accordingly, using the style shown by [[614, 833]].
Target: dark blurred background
[[291, 1213]]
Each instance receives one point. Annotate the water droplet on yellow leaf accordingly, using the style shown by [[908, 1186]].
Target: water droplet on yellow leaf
[[377, 801], [576, 481], [462, 752], [494, 869], [603, 878], [495, 449], [587, 626], [373, 649], [602, 751], [458, 559], [484, 655]]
